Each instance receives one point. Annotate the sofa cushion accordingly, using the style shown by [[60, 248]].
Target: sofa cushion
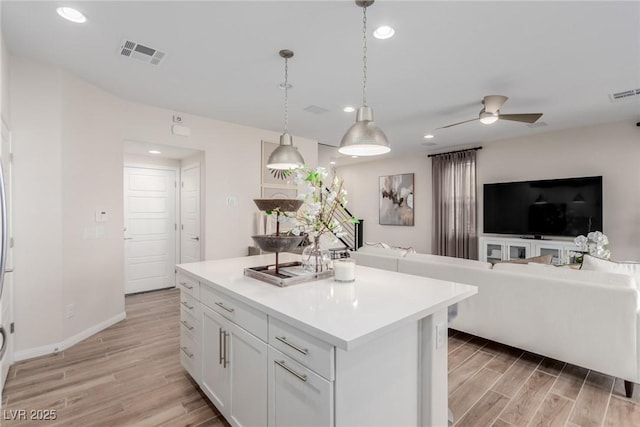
[[449, 260], [591, 263], [588, 277], [385, 251], [542, 259]]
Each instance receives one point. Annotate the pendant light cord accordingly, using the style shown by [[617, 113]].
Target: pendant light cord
[[286, 95], [364, 56]]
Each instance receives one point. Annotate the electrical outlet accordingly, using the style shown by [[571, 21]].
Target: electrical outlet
[[71, 311]]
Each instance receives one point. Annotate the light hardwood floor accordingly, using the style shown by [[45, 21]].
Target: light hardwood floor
[[130, 375]]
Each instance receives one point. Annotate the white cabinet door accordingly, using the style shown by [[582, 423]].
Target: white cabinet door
[[248, 366], [297, 395], [216, 374]]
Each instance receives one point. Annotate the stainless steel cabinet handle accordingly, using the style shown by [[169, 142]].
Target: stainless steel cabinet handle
[[301, 377], [226, 356], [9, 270], [189, 355], [186, 324], [221, 305], [293, 346], [220, 358], [186, 304], [4, 341], [195, 238], [186, 285]]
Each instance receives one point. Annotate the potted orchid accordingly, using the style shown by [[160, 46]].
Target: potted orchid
[[317, 216], [594, 243]]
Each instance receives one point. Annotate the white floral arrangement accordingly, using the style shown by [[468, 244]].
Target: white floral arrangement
[[316, 216], [595, 244]]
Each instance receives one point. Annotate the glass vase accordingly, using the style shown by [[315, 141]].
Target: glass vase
[[314, 258]]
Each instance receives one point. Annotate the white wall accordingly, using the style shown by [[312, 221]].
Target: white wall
[[610, 150], [5, 111], [92, 178], [232, 154], [68, 145], [362, 182], [36, 111]]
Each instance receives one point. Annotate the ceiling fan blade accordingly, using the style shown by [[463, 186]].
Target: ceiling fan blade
[[492, 103], [525, 118], [456, 124]]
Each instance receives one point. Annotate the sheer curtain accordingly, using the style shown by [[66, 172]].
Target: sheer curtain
[[454, 204]]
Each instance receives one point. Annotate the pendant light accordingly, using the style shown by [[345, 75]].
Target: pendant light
[[364, 138], [286, 156]]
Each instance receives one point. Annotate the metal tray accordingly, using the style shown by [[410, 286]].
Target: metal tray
[[289, 273]]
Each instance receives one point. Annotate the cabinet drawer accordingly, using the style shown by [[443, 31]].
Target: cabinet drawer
[[189, 285], [297, 396], [239, 313], [302, 347], [190, 324], [191, 305], [190, 355]]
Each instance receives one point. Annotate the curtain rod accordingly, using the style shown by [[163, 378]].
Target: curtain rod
[[457, 151]]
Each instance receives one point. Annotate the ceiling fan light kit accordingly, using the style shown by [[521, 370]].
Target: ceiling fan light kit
[[286, 155], [364, 138], [490, 113]]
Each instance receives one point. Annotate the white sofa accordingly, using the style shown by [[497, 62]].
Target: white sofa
[[587, 318]]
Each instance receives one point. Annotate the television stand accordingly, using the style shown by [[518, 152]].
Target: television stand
[[495, 248]]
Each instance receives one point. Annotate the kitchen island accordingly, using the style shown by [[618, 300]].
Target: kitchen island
[[370, 352]]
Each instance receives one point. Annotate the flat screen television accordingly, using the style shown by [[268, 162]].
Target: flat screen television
[[552, 207]]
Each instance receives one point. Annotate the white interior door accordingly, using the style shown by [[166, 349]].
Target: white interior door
[[150, 228], [6, 301], [190, 241]]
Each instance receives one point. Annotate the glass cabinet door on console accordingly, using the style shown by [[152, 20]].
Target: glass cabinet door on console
[[496, 249], [518, 250]]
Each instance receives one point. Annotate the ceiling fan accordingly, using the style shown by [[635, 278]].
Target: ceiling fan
[[490, 113]]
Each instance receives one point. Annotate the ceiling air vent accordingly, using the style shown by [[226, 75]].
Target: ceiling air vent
[[141, 52], [316, 110], [624, 95]]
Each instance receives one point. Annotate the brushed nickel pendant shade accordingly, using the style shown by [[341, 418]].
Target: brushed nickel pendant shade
[[286, 156], [364, 138]]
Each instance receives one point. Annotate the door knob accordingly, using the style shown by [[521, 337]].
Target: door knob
[[195, 238]]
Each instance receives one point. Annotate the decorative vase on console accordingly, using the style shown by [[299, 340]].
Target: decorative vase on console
[[315, 259]]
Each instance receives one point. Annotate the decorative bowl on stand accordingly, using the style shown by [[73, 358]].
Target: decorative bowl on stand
[[277, 243], [285, 205]]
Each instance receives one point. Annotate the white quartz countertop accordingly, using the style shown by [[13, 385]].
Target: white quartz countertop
[[342, 314]]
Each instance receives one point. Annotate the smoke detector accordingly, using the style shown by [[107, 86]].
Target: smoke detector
[[141, 52]]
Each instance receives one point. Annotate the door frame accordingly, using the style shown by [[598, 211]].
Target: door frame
[[201, 219], [178, 234]]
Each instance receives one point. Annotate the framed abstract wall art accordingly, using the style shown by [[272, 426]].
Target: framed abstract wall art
[[396, 199]]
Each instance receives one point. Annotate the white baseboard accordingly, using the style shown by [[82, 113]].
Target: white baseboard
[[63, 345]]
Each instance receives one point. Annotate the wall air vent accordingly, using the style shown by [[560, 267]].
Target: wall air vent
[[141, 52], [624, 95]]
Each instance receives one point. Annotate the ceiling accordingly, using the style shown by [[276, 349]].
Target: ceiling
[[562, 59]]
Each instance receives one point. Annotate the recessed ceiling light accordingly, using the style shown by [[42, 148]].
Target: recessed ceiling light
[[428, 136], [384, 32], [71, 14], [155, 152], [348, 109]]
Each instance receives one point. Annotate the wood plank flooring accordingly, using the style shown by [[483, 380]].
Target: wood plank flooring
[[130, 375]]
